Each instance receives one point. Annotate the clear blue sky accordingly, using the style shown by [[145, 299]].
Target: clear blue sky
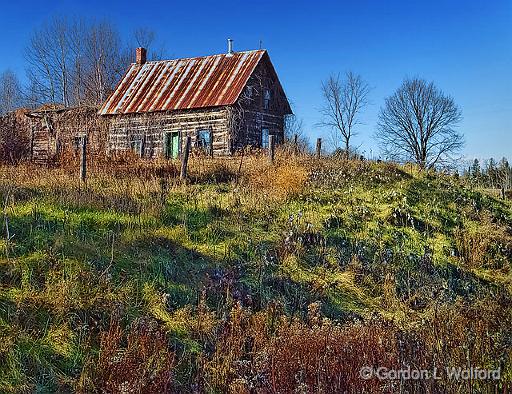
[[465, 47]]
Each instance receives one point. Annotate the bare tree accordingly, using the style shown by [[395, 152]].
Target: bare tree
[[417, 123], [103, 64], [145, 38], [74, 61], [10, 92], [41, 66], [343, 102], [504, 174], [77, 38], [31, 95], [49, 56], [294, 126]]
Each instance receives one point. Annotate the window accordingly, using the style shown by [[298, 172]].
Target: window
[[259, 120], [136, 144], [77, 142], [264, 138], [266, 99], [204, 140]]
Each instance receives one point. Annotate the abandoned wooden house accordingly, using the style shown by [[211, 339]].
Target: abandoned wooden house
[[223, 102], [54, 129]]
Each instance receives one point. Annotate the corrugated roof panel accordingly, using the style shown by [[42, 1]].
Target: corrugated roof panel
[[182, 83]]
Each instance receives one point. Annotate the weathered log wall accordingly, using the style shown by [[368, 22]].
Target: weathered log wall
[[233, 127], [250, 115], [55, 131], [151, 128], [251, 125]]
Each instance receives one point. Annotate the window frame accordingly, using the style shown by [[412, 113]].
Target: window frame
[[77, 143], [135, 144], [265, 142], [267, 97], [208, 147]]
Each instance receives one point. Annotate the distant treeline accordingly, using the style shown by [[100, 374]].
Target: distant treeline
[[492, 174]]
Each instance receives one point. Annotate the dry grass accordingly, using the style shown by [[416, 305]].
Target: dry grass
[[267, 352], [142, 365], [248, 277], [478, 245]]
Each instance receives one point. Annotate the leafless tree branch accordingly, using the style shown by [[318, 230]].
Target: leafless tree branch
[[417, 123], [344, 100]]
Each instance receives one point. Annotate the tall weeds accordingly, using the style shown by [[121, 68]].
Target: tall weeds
[[248, 277]]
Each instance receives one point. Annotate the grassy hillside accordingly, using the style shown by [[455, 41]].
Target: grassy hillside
[[250, 277]]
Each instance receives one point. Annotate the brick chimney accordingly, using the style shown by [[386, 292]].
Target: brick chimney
[[140, 57]]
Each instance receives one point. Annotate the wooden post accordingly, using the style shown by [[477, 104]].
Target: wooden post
[[32, 132], [184, 161], [271, 147], [296, 144], [211, 144], [83, 159], [58, 146], [318, 147]]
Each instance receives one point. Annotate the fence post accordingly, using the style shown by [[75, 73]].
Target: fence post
[[184, 160], [58, 147], [32, 132], [83, 159], [318, 147], [271, 148], [211, 144]]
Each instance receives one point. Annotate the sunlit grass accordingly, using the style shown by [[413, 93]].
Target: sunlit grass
[[220, 266]]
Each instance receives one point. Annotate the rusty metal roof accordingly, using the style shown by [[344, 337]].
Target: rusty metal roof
[[197, 82]]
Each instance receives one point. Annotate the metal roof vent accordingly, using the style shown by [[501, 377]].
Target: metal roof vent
[[230, 47]]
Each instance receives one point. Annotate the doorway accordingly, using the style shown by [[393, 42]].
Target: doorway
[[172, 144]]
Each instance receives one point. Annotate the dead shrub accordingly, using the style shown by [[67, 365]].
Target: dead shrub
[[269, 352], [280, 182], [14, 143], [487, 246], [327, 357], [463, 335], [141, 362], [212, 170]]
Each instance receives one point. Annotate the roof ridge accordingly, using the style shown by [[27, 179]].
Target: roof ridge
[[200, 57]]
